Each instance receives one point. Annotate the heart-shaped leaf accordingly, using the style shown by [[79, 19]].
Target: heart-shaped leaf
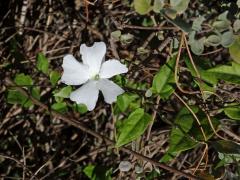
[[162, 78], [133, 127]]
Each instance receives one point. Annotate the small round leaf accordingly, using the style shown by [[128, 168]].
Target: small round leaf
[[227, 39], [142, 6], [212, 40], [158, 5], [125, 166], [179, 5], [197, 46]]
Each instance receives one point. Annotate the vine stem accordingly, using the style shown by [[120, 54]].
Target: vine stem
[[109, 142], [176, 68], [200, 81], [201, 159], [194, 115]]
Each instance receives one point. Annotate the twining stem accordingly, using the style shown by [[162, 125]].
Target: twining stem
[[176, 68], [201, 159], [194, 115], [199, 78]]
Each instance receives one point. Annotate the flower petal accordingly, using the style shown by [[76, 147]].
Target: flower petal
[[86, 94], [74, 72], [111, 68], [110, 90], [93, 56]]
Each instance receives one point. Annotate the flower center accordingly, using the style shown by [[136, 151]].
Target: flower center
[[96, 77]]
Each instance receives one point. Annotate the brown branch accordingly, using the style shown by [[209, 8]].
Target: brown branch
[[81, 126]]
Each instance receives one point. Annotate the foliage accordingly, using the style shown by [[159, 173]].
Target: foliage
[[133, 127], [154, 117], [42, 63], [163, 79], [97, 172]]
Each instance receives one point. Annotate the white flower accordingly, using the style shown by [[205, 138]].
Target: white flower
[[93, 73]]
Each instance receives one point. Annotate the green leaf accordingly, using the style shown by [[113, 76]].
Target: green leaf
[[54, 77], [64, 92], [221, 25], [179, 139], [168, 157], [234, 50], [212, 40], [133, 127], [206, 76], [126, 38], [81, 108], [60, 107], [179, 5], [42, 63], [36, 93], [227, 39], [180, 142], [88, 171], [209, 79], [228, 158], [124, 100], [184, 118], [212, 75], [227, 73], [23, 80], [167, 92], [197, 23], [116, 35], [97, 172], [223, 16], [158, 5], [171, 13], [161, 81], [196, 131], [233, 112], [147, 22], [227, 147], [142, 6], [175, 43], [148, 93], [197, 46], [16, 97]]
